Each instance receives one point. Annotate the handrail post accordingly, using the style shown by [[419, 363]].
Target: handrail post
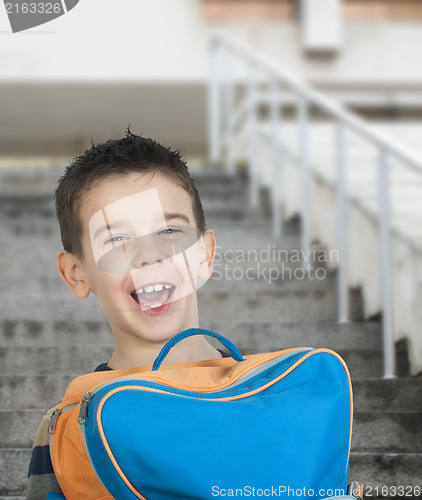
[[385, 264], [228, 111], [304, 175], [214, 103], [341, 222], [276, 163], [253, 138]]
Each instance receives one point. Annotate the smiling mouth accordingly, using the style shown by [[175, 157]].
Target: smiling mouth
[[153, 296]]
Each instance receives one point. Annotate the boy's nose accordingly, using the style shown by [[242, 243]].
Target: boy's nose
[[139, 261], [146, 251]]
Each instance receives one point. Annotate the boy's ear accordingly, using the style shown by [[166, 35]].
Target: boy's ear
[[70, 270], [208, 249]]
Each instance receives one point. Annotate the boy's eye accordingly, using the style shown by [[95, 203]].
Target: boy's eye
[[119, 250], [114, 239], [170, 230]]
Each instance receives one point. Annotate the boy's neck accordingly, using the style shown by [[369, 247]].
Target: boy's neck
[[191, 349]]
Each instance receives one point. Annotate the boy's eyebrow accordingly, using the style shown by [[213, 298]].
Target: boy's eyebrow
[[176, 215], [168, 216]]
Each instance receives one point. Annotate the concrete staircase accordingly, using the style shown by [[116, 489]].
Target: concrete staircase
[[47, 337]]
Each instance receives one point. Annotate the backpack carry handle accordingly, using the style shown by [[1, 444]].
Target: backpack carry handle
[[190, 332]]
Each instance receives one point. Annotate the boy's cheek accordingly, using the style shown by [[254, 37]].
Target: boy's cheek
[[198, 264], [186, 269], [104, 286]]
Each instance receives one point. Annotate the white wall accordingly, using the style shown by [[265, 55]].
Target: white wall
[[109, 63], [109, 40], [152, 40]]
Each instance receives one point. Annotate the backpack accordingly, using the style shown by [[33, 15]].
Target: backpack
[[265, 425]]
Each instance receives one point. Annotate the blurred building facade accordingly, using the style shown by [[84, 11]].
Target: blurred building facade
[[102, 67]]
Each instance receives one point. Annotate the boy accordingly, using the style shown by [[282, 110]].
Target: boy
[[133, 234]]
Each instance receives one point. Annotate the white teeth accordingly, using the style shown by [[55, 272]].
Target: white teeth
[[153, 306], [158, 287]]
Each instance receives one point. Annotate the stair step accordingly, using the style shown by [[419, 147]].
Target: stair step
[[374, 432], [290, 306], [370, 394], [231, 209], [226, 188], [14, 205], [21, 360], [373, 469], [208, 175], [47, 360], [14, 464], [256, 336], [266, 278], [305, 306], [378, 470], [393, 432], [47, 333], [267, 337], [18, 428], [388, 395], [33, 391], [211, 183]]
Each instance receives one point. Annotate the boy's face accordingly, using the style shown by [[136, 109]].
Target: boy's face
[[143, 256]]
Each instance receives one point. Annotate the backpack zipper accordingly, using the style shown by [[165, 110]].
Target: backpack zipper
[[53, 420], [56, 414], [86, 398]]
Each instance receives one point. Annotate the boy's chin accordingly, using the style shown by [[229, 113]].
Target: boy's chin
[[160, 324], [162, 333]]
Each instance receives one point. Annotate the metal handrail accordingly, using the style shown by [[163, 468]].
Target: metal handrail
[[273, 70], [224, 48]]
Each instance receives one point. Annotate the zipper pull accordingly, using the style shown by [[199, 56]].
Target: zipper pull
[[84, 408], [53, 420]]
